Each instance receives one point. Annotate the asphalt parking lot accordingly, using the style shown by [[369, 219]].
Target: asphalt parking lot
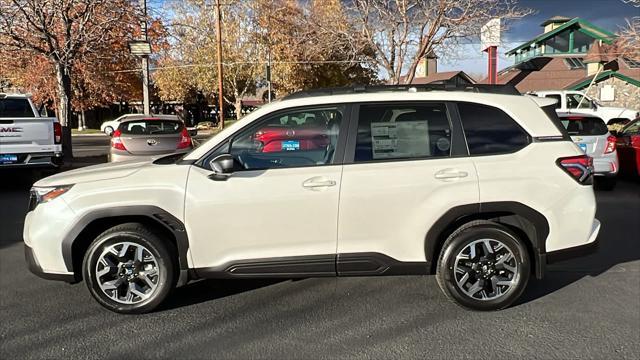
[[585, 308]]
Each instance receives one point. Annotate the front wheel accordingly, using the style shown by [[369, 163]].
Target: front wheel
[[129, 269], [483, 266]]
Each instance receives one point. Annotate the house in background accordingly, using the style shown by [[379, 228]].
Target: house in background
[[567, 55], [427, 73]]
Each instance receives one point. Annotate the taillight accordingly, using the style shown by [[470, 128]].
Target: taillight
[[611, 144], [579, 167], [116, 141], [57, 133], [185, 139]]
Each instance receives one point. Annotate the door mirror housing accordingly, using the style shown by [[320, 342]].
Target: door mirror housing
[[222, 167]]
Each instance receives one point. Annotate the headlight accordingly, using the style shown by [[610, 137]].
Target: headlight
[[41, 195]]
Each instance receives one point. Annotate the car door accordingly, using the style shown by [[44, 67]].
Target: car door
[[277, 213], [405, 167]]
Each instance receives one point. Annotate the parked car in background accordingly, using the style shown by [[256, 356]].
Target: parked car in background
[[592, 136], [628, 143], [143, 137], [445, 189], [26, 138], [289, 133], [108, 127], [568, 101]]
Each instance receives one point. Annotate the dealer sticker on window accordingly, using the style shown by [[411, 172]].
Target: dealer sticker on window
[[290, 145]]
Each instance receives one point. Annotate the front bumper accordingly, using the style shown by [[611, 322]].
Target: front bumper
[[35, 268]]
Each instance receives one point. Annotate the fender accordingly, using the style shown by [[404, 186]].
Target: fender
[[455, 216], [153, 213]]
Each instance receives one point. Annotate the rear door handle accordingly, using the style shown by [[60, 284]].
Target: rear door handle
[[450, 174], [318, 182]]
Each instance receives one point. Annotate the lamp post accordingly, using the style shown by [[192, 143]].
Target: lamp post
[[220, 87]]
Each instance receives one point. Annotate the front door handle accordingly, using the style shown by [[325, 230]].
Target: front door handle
[[318, 182], [450, 174]]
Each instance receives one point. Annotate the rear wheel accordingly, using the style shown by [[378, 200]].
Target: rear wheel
[[483, 266], [129, 269], [108, 130]]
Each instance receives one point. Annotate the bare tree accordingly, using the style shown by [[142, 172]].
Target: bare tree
[[63, 31], [401, 32], [629, 36]]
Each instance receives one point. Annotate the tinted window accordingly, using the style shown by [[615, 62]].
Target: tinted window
[[150, 127], [396, 131], [15, 108], [586, 126], [574, 99], [490, 131], [298, 138]]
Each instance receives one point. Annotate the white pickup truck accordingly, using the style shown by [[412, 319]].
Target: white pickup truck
[[568, 102], [27, 139]]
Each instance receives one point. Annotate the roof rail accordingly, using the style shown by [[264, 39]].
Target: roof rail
[[358, 89]]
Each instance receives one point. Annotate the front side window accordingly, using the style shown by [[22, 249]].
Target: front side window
[[574, 99], [397, 131], [490, 130], [298, 138]]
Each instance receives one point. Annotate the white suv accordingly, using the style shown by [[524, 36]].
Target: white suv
[[364, 182]]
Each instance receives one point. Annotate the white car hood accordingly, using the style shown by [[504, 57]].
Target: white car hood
[[94, 173]]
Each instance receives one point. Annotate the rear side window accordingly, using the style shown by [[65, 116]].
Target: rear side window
[[490, 131], [150, 127], [15, 108], [585, 126], [402, 131]]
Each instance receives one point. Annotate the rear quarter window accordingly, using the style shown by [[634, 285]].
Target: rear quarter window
[[150, 127], [489, 130]]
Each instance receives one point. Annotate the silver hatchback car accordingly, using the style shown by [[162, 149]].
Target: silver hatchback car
[[144, 137], [590, 133]]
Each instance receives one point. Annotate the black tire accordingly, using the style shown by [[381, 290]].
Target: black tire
[[466, 235], [162, 252], [605, 183]]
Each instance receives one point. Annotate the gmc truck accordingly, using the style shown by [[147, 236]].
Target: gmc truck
[[27, 140]]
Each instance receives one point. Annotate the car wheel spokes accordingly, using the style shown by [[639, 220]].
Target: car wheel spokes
[[127, 272], [486, 269]]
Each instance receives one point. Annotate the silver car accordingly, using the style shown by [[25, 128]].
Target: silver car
[[144, 137], [591, 134]]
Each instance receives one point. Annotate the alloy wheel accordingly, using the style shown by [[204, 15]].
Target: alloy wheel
[[486, 269], [127, 272]]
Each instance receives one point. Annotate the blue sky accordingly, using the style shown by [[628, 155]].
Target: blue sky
[[608, 14]]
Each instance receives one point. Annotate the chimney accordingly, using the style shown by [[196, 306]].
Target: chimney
[[428, 65], [554, 22]]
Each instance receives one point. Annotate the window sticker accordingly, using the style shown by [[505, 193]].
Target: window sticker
[[400, 139], [290, 145]]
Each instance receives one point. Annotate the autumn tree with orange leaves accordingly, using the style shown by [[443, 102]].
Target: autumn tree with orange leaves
[[70, 36]]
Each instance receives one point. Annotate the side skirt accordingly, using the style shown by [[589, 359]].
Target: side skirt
[[352, 264]]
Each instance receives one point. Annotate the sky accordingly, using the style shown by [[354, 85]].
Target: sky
[[607, 14]]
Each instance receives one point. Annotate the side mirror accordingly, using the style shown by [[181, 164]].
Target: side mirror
[[222, 167]]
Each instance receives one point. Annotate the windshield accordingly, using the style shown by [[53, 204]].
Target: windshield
[[585, 126], [150, 127], [15, 108]]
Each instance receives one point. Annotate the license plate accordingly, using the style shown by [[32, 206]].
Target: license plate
[[583, 147], [8, 158], [291, 145]]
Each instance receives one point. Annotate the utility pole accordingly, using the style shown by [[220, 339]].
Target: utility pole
[[145, 60], [220, 75]]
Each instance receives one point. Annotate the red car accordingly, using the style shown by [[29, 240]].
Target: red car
[[286, 138], [628, 144]]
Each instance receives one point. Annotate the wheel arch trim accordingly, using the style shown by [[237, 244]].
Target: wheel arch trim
[[152, 213], [456, 217]]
